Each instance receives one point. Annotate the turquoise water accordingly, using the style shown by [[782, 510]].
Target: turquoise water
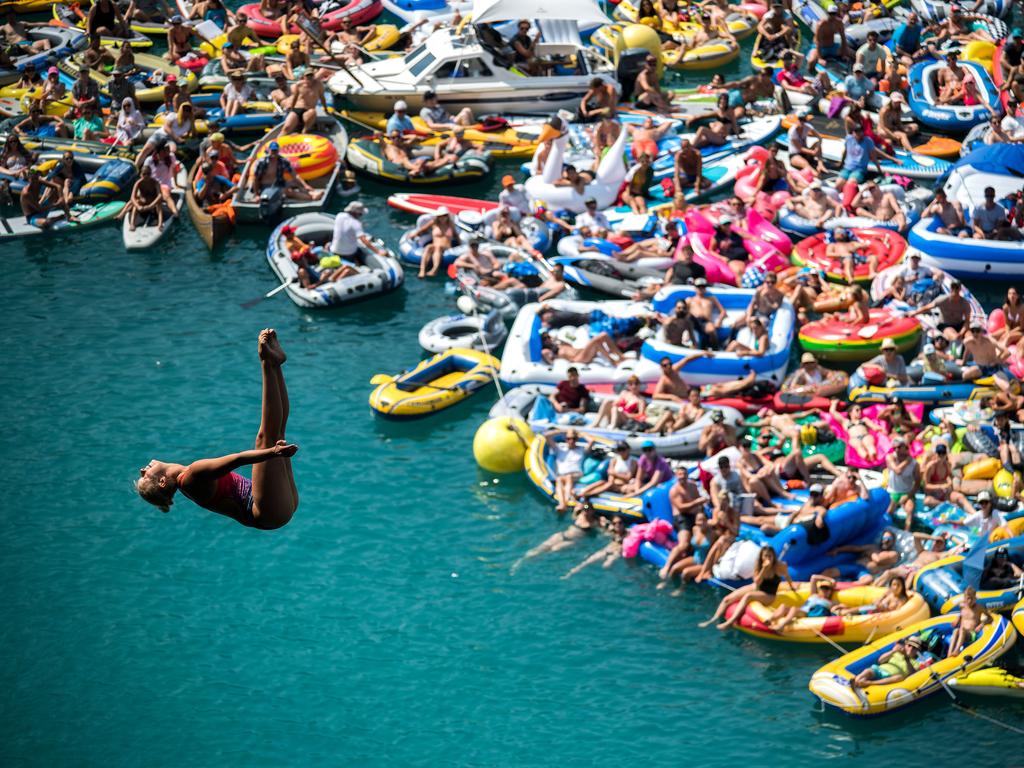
[[383, 626]]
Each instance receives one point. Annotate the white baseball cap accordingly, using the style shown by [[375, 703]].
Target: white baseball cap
[[401, 106]]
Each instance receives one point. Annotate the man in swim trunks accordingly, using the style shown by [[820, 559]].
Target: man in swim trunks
[[647, 91], [826, 33], [306, 94], [599, 101], [688, 169], [31, 199], [645, 137], [987, 356], [708, 314], [776, 31], [240, 31], [891, 125], [873, 203], [849, 252]]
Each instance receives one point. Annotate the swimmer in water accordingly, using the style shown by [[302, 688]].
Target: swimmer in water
[[266, 502]]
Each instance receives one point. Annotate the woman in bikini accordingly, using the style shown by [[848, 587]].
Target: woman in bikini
[[442, 237], [688, 413], [1013, 319], [629, 409], [686, 562], [859, 431], [768, 575], [621, 473], [607, 554], [266, 502], [505, 230]]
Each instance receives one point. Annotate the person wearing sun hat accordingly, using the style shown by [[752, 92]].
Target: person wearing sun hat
[[400, 120], [179, 38], [891, 125]]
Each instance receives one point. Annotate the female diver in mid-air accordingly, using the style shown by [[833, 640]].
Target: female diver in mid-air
[[269, 500]]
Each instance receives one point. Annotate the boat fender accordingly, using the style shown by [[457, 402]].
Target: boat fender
[[979, 441], [982, 469]]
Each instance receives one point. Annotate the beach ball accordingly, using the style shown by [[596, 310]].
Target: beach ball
[[500, 444]]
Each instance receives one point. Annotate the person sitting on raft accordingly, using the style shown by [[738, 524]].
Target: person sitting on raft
[[875, 558], [727, 243], [893, 666], [1001, 572], [628, 411], [873, 203], [972, 618], [843, 248], [686, 560], [505, 230], [722, 125], [759, 346], [568, 465], [768, 575], [570, 396], [717, 435], [443, 235], [819, 604], [815, 205], [810, 377], [890, 363], [599, 101], [621, 475], [482, 263], [269, 500], [645, 137]]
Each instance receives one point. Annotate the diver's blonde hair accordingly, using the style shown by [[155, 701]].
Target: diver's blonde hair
[[154, 494]]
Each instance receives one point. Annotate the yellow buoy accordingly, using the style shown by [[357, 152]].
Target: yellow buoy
[[639, 36], [500, 444]]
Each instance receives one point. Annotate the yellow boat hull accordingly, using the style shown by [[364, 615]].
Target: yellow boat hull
[[435, 384], [832, 683], [855, 628]]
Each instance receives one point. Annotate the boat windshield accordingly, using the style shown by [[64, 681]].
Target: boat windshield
[[421, 64]]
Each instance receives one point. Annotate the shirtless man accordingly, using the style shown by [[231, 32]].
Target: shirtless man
[[688, 169], [241, 31], [599, 101], [891, 125], [954, 310], [605, 136], [482, 263], [876, 204], [301, 106], [179, 39], [31, 205], [707, 313], [282, 91], [846, 250], [670, 384], [825, 45], [14, 31], [647, 135], [146, 197], [756, 87], [776, 32], [987, 357], [395, 149], [950, 212], [815, 205], [647, 91]]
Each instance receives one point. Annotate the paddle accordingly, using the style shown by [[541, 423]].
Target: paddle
[[267, 295], [316, 34]]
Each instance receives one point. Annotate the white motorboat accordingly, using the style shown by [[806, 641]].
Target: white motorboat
[[465, 72]]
